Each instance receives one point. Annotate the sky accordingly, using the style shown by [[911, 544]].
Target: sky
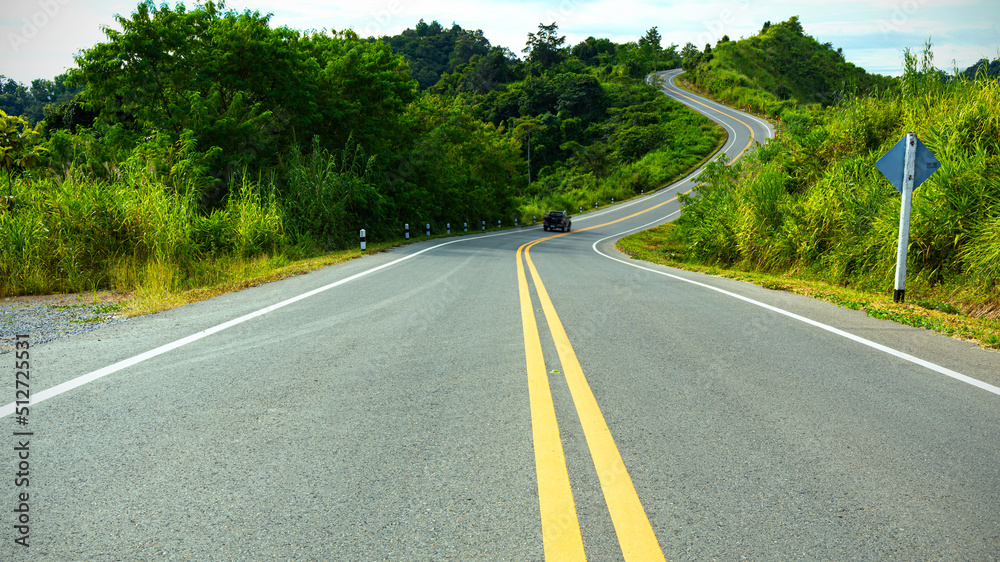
[[38, 38]]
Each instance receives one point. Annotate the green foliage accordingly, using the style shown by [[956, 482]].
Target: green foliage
[[328, 197], [983, 69], [73, 234], [433, 51], [482, 74], [777, 69], [18, 146], [247, 92], [459, 168], [545, 50], [814, 202], [595, 52], [33, 102]]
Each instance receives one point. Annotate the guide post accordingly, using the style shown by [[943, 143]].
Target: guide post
[[907, 164]]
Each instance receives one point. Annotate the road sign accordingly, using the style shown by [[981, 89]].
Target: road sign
[[891, 164], [906, 165]]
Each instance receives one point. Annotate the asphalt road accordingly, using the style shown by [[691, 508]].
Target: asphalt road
[[508, 396]]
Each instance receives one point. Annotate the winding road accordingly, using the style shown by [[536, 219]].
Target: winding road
[[511, 395]]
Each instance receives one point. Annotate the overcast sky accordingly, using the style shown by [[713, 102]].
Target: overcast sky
[[38, 38]]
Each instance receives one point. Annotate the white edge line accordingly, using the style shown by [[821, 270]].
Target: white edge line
[[94, 375], [894, 352]]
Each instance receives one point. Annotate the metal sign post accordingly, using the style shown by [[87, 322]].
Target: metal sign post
[[909, 160], [906, 165]]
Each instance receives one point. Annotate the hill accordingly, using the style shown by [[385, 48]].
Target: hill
[[431, 50], [983, 69], [32, 101], [779, 67]]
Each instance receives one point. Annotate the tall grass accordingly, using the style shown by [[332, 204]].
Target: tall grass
[[74, 233], [142, 226]]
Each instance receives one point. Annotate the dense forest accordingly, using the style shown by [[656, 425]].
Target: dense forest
[[431, 50], [197, 136], [32, 101], [812, 202]]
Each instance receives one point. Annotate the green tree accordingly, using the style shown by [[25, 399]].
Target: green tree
[[18, 146], [523, 131], [650, 42], [246, 91], [690, 57], [433, 52], [458, 169], [545, 49], [594, 51]]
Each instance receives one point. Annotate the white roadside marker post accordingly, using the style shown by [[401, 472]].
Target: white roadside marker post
[[428, 229], [364, 243], [406, 230], [448, 227]]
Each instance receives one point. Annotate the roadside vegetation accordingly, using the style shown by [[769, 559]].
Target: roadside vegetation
[[810, 209], [200, 148]]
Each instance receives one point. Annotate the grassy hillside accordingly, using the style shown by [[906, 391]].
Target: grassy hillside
[[813, 205], [778, 68]]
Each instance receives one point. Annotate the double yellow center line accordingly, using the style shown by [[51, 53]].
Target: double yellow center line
[[560, 526]]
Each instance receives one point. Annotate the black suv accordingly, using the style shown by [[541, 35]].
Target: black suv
[[557, 219]]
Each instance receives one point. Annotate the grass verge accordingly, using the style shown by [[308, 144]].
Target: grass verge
[[157, 293], [660, 245]]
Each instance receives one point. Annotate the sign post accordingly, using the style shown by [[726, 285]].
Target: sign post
[[907, 164]]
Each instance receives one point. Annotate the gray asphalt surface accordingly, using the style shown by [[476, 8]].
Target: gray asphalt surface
[[386, 418]]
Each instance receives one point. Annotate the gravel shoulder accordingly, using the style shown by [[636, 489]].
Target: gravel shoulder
[[51, 317]]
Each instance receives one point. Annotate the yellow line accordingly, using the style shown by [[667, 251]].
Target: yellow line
[[561, 534], [749, 128], [560, 528], [635, 534]]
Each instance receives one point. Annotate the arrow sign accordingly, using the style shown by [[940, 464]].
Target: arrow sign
[[891, 164], [906, 165]]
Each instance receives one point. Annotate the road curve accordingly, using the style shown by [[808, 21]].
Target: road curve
[[393, 408]]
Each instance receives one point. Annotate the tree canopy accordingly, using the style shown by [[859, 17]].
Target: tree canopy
[[245, 90], [432, 50], [544, 49], [31, 102]]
